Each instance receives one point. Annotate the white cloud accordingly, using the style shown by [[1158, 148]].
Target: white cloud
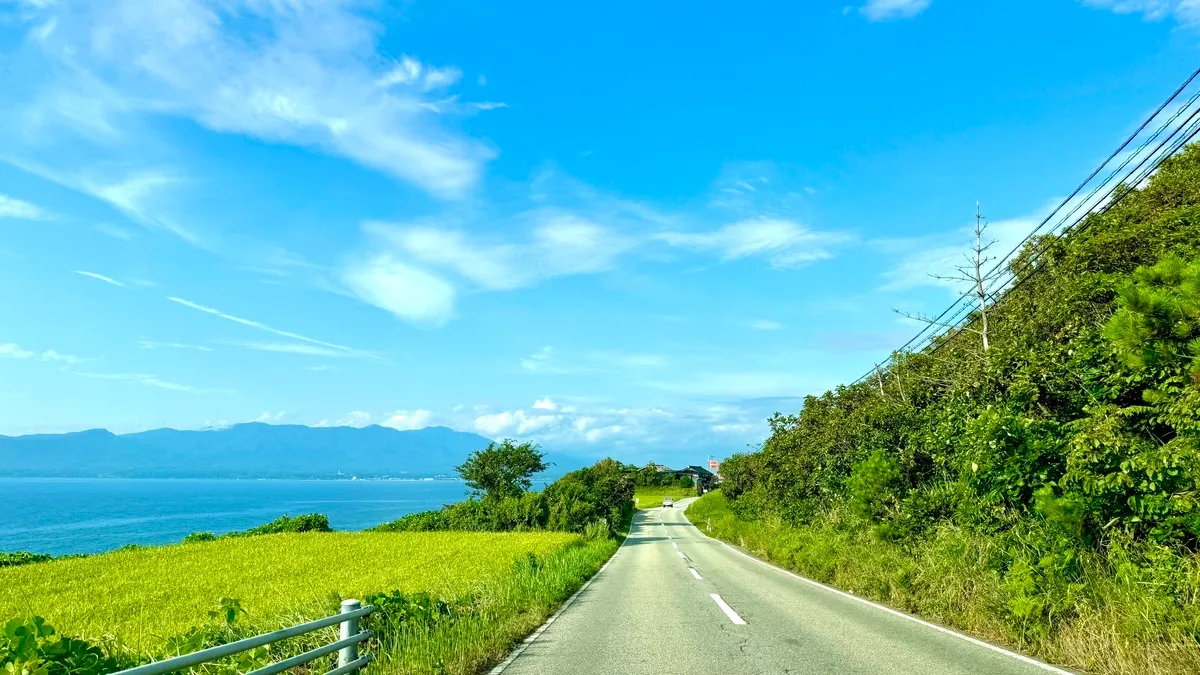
[[51, 355], [539, 361], [881, 10], [407, 291], [762, 324], [146, 380], [148, 344], [784, 243], [134, 197], [1186, 12], [518, 422], [101, 277], [14, 351], [927, 260], [559, 245], [357, 419], [408, 419], [11, 207], [294, 348], [545, 404], [494, 424], [598, 424], [410, 71], [306, 73], [348, 351], [269, 418]]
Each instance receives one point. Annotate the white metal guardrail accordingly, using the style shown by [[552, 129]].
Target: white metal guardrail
[[347, 647]]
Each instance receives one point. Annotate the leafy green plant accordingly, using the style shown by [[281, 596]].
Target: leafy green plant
[[32, 647]]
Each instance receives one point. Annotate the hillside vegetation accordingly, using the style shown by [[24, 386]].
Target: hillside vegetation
[[1042, 492]]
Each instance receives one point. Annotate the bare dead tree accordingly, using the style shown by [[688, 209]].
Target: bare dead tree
[[977, 276]]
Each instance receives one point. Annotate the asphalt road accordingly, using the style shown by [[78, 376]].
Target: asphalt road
[[672, 600]]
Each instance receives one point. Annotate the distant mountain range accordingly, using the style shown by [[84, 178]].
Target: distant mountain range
[[252, 450]]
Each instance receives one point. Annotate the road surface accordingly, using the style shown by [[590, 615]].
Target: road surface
[[673, 600]]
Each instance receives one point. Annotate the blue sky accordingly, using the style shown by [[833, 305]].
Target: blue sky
[[634, 228]]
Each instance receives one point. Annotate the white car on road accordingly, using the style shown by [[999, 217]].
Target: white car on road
[[668, 503]]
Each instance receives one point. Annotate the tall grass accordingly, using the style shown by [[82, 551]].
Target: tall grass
[[150, 603], [1126, 612], [505, 610]]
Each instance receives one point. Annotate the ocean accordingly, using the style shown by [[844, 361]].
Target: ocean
[[91, 515]]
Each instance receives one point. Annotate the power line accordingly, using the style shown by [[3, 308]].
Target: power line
[[1176, 139]]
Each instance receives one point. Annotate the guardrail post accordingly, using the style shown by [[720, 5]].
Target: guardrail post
[[348, 655]]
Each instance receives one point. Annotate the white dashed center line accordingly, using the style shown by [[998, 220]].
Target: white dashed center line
[[694, 572], [733, 616]]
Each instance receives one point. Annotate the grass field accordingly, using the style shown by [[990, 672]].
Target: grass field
[[133, 601], [648, 497]]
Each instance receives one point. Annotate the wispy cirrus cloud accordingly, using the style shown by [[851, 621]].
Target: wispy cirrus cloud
[[150, 344], [11, 207], [882, 10], [101, 277], [308, 74], [332, 347], [762, 324], [1186, 12], [294, 348], [145, 380], [784, 243]]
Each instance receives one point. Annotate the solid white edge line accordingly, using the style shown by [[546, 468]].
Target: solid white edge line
[[941, 629], [695, 573], [733, 616], [542, 629]]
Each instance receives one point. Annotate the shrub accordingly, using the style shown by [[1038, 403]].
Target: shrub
[[312, 522], [21, 558], [199, 537]]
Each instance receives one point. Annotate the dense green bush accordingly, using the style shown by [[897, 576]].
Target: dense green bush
[[311, 522], [599, 493], [21, 558]]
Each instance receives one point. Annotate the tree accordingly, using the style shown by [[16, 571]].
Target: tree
[[504, 470], [975, 273]]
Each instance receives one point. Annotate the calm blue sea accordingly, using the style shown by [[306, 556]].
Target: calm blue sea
[[67, 515]]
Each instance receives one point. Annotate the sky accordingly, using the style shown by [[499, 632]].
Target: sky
[[623, 228]]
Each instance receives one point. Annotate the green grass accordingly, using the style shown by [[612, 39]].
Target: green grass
[[649, 497], [1125, 614], [133, 601]]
